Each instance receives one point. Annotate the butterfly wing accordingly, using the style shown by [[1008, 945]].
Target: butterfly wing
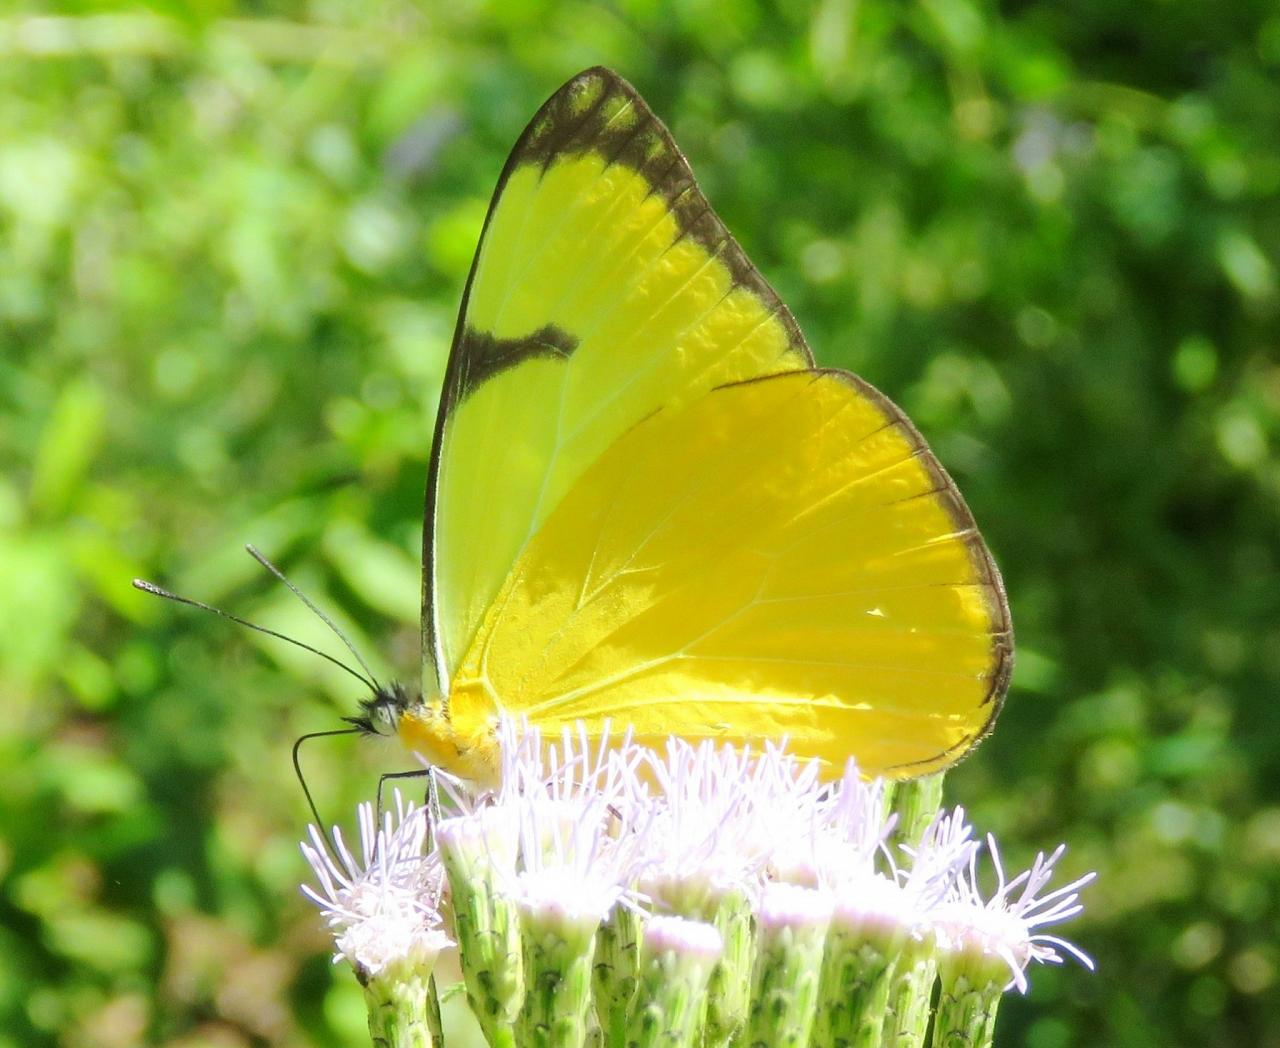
[[782, 556], [604, 289]]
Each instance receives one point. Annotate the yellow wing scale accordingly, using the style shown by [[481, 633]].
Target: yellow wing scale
[[646, 506], [704, 577], [604, 289]]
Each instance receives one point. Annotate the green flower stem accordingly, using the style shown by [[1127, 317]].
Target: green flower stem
[[729, 988], [973, 982], [558, 952], [616, 972], [487, 928], [792, 930], [858, 967], [435, 1023], [966, 1016], [916, 803], [398, 1010], [911, 995], [677, 960]]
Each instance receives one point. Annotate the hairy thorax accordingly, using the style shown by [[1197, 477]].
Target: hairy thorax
[[458, 736]]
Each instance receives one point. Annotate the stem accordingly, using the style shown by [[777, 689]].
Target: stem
[[788, 966], [398, 1012], [911, 996], [557, 964], [916, 803], [488, 931], [972, 983], [616, 972], [857, 975], [729, 989], [676, 964], [435, 1024], [966, 1015]]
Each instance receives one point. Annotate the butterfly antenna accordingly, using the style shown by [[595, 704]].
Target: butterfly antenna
[[257, 555], [302, 781], [156, 591]]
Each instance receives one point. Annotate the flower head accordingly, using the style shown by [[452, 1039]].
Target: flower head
[[849, 832], [575, 829], [888, 907], [683, 888], [721, 818], [945, 847], [383, 909], [1004, 927]]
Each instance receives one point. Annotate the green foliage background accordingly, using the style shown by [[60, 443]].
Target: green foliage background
[[232, 240]]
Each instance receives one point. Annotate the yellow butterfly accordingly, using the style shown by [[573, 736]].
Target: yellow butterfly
[[647, 506]]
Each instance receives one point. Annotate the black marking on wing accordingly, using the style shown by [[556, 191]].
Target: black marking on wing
[[579, 119], [484, 355]]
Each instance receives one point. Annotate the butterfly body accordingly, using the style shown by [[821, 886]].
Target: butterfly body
[[648, 508], [458, 737]]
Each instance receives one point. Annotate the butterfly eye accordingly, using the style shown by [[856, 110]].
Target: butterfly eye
[[385, 719]]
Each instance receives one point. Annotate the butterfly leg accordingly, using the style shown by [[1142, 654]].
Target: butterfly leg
[[416, 773]]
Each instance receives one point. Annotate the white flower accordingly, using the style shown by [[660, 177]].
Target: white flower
[[890, 906], [571, 867], [849, 832], [720, 818], [787, 803], [1004, 926], [578, 826], [785, 905], [945, 847], [679, 935], [575, 826], [383, 910]]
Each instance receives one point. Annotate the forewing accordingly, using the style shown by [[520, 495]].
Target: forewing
[[604, 289], [784, 556]]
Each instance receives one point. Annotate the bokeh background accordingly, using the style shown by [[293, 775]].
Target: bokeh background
[[232, 241]]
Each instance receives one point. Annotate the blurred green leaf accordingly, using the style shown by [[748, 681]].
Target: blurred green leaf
[[69, 442], [384, 576], [1245, 265]]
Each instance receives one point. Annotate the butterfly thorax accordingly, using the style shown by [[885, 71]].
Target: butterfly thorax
[[457, 736]]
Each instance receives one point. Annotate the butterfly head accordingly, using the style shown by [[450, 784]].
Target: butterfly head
[[381, 714]]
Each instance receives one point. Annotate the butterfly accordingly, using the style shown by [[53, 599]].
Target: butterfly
[[648, 507]]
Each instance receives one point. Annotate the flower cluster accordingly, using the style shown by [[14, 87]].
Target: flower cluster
[[613, 895]]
